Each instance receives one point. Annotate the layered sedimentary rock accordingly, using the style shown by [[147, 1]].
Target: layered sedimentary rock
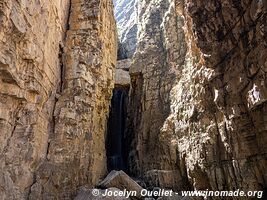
[[198, 97], [30, 76], [126, 17], [55, 93], [197, 107], [161, 49], [223, 121], [76, 154]]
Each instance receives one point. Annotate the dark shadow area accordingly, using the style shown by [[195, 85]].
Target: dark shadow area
[[116, 145]]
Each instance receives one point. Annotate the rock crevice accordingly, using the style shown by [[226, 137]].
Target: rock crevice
[[195, 72]]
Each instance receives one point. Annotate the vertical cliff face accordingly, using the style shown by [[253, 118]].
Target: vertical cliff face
[[227, 101], [56, 71], [126, 17], [198, 93], [152, 80], [76, 154], [30, 37], [196, 116]]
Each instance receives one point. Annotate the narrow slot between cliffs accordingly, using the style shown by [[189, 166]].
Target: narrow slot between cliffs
[[116, 145]]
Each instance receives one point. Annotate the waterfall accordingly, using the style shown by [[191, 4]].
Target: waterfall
[[116, 127]]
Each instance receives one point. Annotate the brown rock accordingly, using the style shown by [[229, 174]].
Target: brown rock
[[76, 154], [31, 34], [198, 96], [119, 179], [56, 80]]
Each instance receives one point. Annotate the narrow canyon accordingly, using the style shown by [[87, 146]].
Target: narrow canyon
[[172, 93]]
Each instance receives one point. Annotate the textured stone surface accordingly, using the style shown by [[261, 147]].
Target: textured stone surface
[[31, 34], [153, 74], [126, 16], [197, 111], [163, 178], [55, 91], [198, 97], [122, 76], [222, 124], [76, 154], [119, 179]]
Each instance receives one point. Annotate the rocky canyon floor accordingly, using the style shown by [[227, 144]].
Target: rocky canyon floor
[[105, 97]]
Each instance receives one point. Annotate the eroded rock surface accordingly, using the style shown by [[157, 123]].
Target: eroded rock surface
[[198, 98], [126, 12], [161, 49], [76, 154], [197, 111], [119, 179], [31, 38], [57, 66]]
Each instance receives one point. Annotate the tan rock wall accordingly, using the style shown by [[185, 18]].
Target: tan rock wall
[[54, 95], [76, 154], [30, 36]]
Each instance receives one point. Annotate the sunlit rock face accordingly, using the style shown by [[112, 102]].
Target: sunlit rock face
[[197, 109], [57, 63], [31, 40], [126, 17]]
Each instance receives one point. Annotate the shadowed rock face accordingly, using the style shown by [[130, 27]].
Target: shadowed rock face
[[230, 109], [198, 97]]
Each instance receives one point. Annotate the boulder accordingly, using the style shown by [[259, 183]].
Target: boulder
[[120, 180], [122, 77]]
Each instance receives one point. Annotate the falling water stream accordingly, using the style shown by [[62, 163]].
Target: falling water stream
[[116, 128]]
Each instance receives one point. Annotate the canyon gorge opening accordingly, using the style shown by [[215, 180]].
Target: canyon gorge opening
[[173, 93], [117, 144]]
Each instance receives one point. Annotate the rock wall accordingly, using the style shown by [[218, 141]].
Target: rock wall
[[152, 79], [198, 93], [227, 106], [126, 17], [197, 107], [55, 92], [30, 37]]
